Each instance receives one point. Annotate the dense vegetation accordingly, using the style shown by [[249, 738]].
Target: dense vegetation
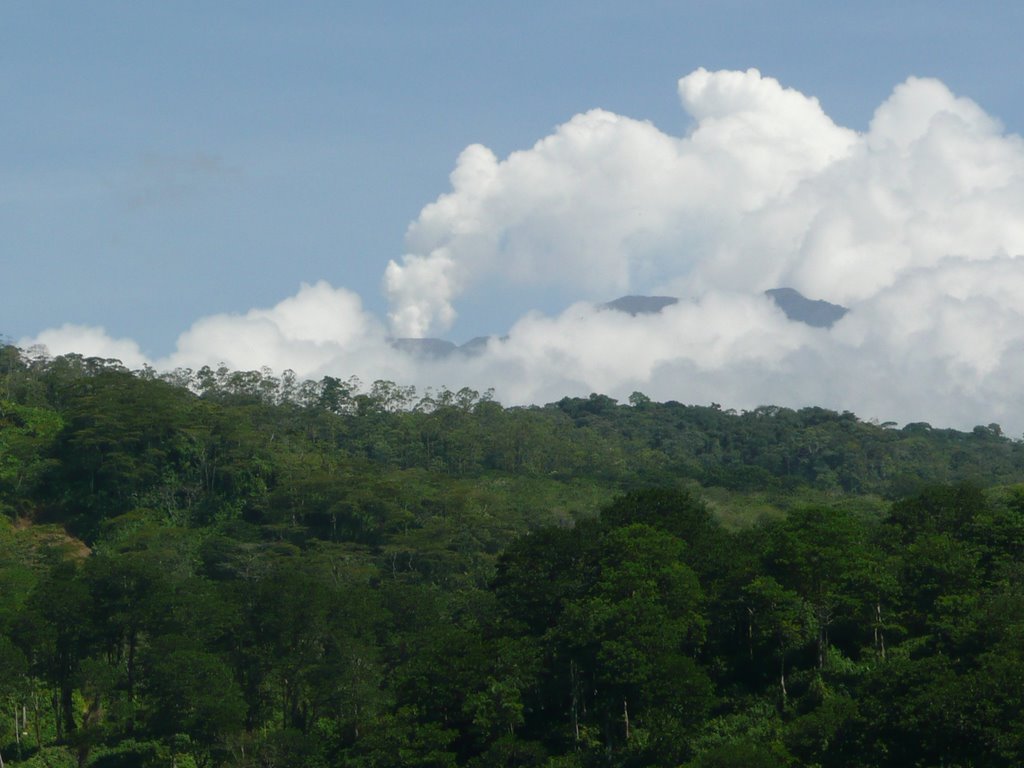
[[231, 568]]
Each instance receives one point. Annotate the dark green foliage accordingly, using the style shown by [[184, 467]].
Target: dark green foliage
[[269, 572], [741, 754]]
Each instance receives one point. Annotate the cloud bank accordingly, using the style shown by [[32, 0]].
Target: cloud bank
[[916, 225]]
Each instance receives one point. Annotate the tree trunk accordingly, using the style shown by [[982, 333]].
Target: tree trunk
[[38, 730], [132, 645], [625, 716], [823, 615], [575, 703], [782, 673], [67, 709], [879, 634], [750, 633], [18, 726], [58, 721]]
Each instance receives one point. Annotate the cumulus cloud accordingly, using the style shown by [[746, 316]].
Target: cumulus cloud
[[915, 224], [588, 348], [88, 341], [320, 330], [317, 326], [608, 204]]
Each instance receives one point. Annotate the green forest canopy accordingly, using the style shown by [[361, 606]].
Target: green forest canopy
[[235, 568]]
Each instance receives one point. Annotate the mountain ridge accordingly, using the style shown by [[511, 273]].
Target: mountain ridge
[[816, 313]]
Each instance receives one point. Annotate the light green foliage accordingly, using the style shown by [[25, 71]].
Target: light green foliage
[[27, 434]]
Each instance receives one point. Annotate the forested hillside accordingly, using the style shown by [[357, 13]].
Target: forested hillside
[[224, 568]]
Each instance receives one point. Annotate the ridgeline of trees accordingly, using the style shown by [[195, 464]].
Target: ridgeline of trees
[[222, 568]]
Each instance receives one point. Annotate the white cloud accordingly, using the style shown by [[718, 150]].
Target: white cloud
[[88, 341], [319, 330], [915, 224], [608, 204], [303, 332]]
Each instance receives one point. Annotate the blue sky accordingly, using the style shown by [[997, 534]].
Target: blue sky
[[167, 161]]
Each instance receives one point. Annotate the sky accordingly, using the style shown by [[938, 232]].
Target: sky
[[292, 185]]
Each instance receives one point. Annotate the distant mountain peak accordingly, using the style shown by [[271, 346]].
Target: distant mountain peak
[[640, 305], [439, 349], [426, 347], [796, 306]]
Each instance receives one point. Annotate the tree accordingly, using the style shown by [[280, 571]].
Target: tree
[[54, 632], [191, 692], [14, 688], [779, 623]]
